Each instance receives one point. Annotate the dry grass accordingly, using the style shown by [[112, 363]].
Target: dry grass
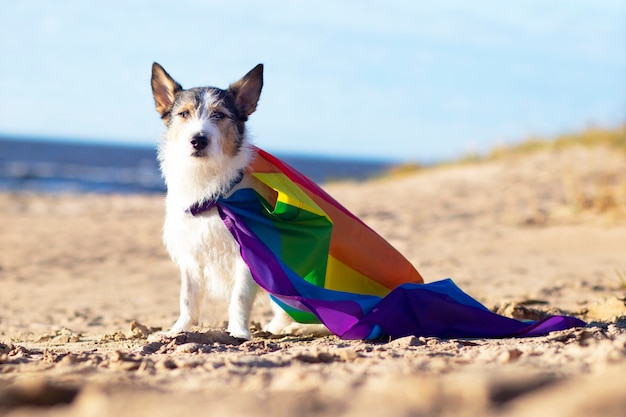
[[594, 136], [589, 192], [621, 278], [601, 194]]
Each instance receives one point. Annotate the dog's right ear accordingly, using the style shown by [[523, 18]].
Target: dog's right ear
[[164, 90]]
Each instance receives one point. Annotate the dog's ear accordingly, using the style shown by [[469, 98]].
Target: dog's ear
[[247, 91], [164, 90]]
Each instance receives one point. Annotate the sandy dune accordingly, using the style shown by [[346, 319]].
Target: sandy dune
[[85, 279]]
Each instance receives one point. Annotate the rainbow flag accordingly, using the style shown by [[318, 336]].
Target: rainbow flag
[[322, 264]]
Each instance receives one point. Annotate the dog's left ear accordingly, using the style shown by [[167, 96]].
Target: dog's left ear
[[247, 91]]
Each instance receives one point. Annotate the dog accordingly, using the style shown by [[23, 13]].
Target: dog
[[204, 154]]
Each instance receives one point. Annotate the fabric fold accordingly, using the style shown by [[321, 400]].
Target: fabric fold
[[323, 264]]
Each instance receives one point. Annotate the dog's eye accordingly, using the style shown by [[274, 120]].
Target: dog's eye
[[218, 115], [184, 114]]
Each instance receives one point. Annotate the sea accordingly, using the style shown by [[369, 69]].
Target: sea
[[64, 166]]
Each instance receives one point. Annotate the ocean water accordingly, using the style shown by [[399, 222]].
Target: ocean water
[[68, 167]]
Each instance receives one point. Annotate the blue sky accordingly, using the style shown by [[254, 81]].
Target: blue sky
[[394, 79]]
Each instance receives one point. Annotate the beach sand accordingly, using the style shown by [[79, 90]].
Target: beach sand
[[84, 279]]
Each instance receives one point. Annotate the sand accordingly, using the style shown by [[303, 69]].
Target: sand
[[84, 280]]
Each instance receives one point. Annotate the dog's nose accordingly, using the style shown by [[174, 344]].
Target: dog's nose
[[199, 142]]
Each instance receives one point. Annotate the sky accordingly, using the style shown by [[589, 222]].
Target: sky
[[391, 79]]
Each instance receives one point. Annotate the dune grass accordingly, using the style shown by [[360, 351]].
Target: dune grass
[[598, 194], [602, 193], [593, 136]]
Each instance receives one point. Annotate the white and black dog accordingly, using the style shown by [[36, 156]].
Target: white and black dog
[[204, 154]]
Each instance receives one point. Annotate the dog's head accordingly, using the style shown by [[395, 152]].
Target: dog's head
[[206, 124]]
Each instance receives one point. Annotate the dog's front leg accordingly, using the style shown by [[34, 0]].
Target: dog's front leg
[[191, 294], [241, 300]]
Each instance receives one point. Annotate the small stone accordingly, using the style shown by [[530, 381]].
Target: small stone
[[139, 331], [509, 356], [189, 347], [406, 341], [347, 355]]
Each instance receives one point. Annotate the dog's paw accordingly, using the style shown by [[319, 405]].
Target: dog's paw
[[277, 325], [243, 334]]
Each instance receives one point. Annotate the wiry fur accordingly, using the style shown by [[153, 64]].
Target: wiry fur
[[204, 250]]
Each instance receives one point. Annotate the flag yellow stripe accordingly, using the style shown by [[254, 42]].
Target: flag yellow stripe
[[340, 277], [294, 196]]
